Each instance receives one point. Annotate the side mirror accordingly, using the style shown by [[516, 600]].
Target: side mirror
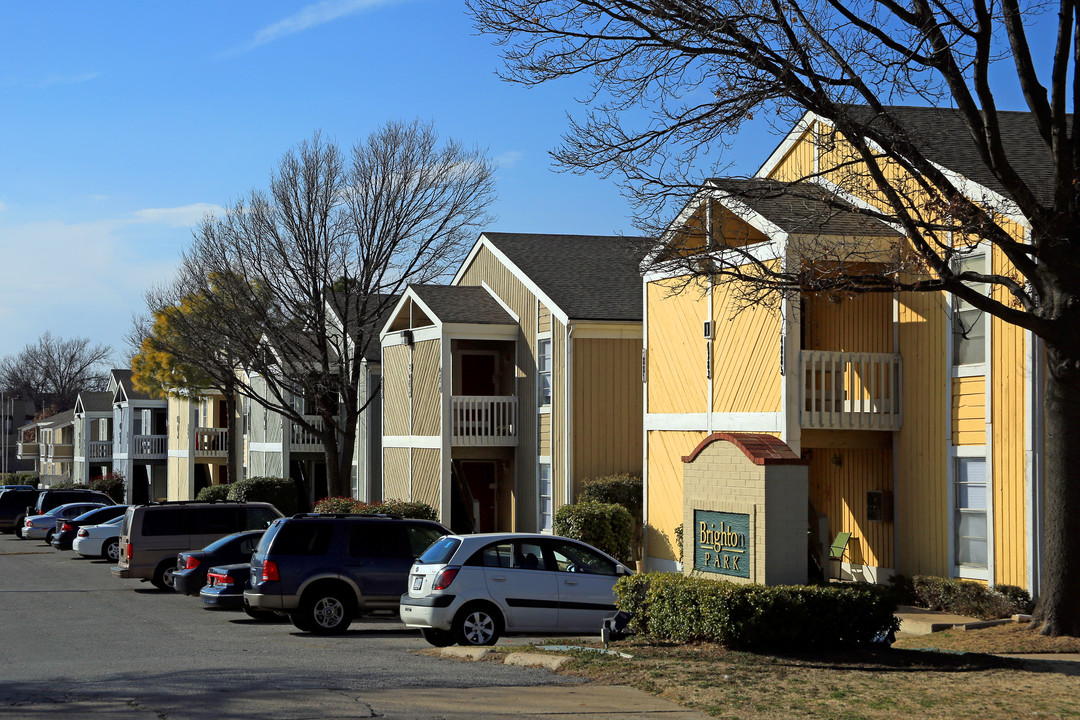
[[623, 570]]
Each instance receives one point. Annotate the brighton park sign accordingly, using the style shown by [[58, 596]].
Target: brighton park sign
[[722, 543]]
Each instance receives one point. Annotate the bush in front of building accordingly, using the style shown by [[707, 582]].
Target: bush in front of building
[[279, 492], [111, 484], [607, 526], [964, 597], [23, 477], [623, 489], [213, 493], [398, 508], [682, 608], [68, 485]]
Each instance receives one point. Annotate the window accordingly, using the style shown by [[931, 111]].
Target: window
[[571, 557], [970, 520], [545, 496], [543, 361], [969, 323]]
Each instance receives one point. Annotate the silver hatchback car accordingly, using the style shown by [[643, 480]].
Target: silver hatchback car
[[471, 589]]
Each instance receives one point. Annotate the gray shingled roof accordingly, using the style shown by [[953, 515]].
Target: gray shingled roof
[[463, 304], [96, 401], [123, 378], [589, 277], [65, 418], [801, 207]]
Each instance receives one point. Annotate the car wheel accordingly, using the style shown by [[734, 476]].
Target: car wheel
[[48, 535], [158, 580], [478, 625], [300, 621], [327, 611], [436, 637], [19, 526], [110, 549]]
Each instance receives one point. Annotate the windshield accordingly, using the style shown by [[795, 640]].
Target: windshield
[[219, 544], [440, 551], [55, 511], [267, 538]]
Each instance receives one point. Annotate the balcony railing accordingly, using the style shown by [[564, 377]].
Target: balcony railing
[[56, 452], [303, 440], [851, 391], [211, 442], [100, 450], [149, 447], [484, 420], [27, 450]]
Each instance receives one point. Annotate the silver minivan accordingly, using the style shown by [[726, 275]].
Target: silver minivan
[[152, 535]]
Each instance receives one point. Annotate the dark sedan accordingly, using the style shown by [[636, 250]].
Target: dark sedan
[[68, 530], [189, 576], [225, 589]]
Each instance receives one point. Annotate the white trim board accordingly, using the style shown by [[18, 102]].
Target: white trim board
[[429, 442], [720, 422], [525, 280]]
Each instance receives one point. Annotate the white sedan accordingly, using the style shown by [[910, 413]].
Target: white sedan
[[471, 589], [38, 527], [100, 540]]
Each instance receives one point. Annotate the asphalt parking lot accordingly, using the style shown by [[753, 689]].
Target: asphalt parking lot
[[75, 639]]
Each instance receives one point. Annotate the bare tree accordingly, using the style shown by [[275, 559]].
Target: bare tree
[[53, 371], [700, 69], [323, 256]]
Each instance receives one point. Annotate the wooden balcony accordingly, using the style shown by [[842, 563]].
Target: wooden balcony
[[851, 391], [484, 420], [303, 440], [59, 452], [27, 450], [100, 450], [149, 447], [211, 442]]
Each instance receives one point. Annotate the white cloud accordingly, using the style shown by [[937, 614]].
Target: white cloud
[[509, 159], [307, 18], [59, 79], [183, 216]]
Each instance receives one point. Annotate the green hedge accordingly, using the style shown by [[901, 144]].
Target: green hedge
[[280, 492], [964, 597], [607, 526], [679, 608], [111, 484], [213, 493], [399, 508], [23, 477], [625, 490]]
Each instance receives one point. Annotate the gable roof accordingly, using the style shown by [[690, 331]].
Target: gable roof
[[125, 388], [94, 402], [369, 328], [587, 277], [465, 304]]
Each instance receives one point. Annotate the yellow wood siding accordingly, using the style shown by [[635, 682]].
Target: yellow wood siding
[[676, 349], [922, 498], [969, 411], [544, 323], [544, 434], [427, 403], [396, 473], [861, 323], [665, 496], [607, 408], [486, 268], [426, 472], [839, 480], [396, 390], [745, 354], [799, 160]]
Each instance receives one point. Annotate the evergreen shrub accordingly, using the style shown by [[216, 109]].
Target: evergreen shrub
[[279, 492], [966, 597], [606, 526], [680, 608], [111, 484], [213, 493], [397, 508]]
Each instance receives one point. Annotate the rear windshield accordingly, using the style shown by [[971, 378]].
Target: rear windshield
[[440, 551], [300, 538]]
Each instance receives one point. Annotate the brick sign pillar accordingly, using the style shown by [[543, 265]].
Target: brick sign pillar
[[745, 502]]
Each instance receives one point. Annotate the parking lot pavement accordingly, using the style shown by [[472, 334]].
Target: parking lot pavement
[[76, 639]]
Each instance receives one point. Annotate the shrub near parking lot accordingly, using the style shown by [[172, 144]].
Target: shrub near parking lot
[[606, 526], [279, 492], [397, 508], [685, 609], [964, 597]]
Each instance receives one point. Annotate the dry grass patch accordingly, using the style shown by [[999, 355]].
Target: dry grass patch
[[1011, 638], [891, 684]]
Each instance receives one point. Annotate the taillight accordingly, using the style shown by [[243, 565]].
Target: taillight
[[219, 579], [192, 563], [128, 553], [444, 578], [29, 523], [66, 527], [270, 572], [83, 532]]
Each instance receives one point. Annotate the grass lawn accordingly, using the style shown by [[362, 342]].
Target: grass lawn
[[900, 682]]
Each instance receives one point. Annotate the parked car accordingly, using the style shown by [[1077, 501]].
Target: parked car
[[13, 509], [67, 530], [224, 588], [471, 589], [99, 540], [46, 500], [16, 487], [189, 575], [38, 527], [152, 535], [324, 570]]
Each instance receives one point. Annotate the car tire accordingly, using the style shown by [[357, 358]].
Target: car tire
[[437, 637], [300, 621], [327, 612], [158, 579], [479, 624], [110, 549], [19, 526], [49, 535]]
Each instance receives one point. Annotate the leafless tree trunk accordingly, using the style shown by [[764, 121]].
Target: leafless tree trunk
[[701, 69]]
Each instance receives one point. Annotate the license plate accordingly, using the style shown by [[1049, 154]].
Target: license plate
[[417, 582]]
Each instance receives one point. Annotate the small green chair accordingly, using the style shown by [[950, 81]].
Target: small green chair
[[839, 548]]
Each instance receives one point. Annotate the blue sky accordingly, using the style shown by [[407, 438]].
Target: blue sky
[[123, 123]]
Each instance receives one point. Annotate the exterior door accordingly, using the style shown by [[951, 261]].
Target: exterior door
[[519, 580], [585, 582]]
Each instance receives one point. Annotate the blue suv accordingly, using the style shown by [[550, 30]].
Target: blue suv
[[324, 570]]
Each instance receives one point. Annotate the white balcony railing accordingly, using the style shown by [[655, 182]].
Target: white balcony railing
[[303, 440], [58, 452], [100, 449], [149, 447], [851, 391], [484, 420], [211, 442], [27, 451]]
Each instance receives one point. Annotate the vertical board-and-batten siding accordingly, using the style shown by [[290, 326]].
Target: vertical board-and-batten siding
[[396, 415], [676, 351], [839, 481], [396, 474], [427, 401], [426, 472], [486, 269], [607, 408], [745, 354], [665, 497]]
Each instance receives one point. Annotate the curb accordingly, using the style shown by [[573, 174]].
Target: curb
[[522, 659]]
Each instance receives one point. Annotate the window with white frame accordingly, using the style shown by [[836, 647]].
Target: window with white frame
[[543, 362], [970, 520], [545, 496], [969, 323]]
